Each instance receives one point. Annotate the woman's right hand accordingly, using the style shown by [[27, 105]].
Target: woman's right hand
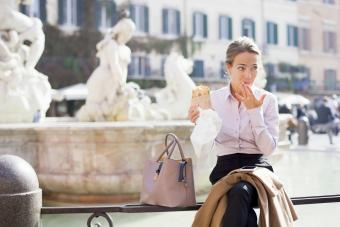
[[193, 113]]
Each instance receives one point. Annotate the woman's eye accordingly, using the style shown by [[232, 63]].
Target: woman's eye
[[241, 68]]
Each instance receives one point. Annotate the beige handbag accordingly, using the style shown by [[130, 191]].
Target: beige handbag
[[169, 182]]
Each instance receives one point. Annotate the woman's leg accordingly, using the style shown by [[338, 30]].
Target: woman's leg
[[252, 219], [239, 212]]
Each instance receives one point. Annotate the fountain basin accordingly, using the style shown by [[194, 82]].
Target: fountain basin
[[97, 161]]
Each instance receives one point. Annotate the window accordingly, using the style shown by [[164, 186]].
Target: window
[[36, 9], [248, 28], [330, 79], [329, 42], [171, 22], [140, 15], [198, 70], [139, 66], [304, 39], [292, 36], [70, 12], [200, 25], [331, 2], [225, 27], [272, 33], [105, 13]]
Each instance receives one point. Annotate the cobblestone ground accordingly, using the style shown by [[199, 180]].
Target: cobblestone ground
[[306, 170]]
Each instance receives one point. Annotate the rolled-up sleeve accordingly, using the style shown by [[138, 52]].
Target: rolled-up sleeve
[[265, 125]]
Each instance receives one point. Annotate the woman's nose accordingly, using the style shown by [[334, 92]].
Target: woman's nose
[[248, 74]]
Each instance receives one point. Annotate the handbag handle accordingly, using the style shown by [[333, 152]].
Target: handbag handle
[[176, 140], [170, 147]]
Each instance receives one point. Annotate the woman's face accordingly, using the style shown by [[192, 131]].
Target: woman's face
[[243, 70]]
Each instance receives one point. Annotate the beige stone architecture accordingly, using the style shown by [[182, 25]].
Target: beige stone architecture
[[299, 38], [319, 45]]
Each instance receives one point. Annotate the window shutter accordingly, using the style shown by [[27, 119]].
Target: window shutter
[[243, 27], [113, 12], [80, 12], [42, 8], [276, 41], [230, 28], [146, 19], [61, 12], [268, 32], [302, 40], [253, 29], [296, 37], [178, 22], [97, 13], [332, 42], [132, 13], [165, 16], [205, 24]]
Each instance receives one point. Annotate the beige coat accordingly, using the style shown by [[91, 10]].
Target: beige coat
[[276, 209]]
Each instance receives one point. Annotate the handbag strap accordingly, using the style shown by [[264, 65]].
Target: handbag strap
[[176, 141], [169, 148]]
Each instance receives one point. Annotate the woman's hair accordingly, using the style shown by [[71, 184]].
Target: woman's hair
[[241, 45]]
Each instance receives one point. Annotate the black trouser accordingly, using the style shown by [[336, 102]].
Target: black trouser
[[242, 197]]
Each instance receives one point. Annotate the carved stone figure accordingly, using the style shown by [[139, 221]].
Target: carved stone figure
[[176, 96], [110, 98], [24, 91]]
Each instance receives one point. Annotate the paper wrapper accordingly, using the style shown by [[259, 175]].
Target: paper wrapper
[[201, 96]]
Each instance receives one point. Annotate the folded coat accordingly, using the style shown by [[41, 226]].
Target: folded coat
[[276, 208]]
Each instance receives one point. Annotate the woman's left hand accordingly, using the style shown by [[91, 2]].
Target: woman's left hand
[[248, 98]]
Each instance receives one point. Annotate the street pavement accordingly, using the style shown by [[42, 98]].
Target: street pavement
[[308, 170]]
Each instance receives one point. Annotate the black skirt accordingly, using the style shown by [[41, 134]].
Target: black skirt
[[227, 163]]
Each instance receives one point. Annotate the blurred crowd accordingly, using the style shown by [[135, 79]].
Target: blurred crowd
[[322, 115]]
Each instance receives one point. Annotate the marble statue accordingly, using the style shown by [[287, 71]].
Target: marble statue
[[24, 92], [110, 97], [176, 96]]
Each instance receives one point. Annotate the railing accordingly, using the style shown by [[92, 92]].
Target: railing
[[102, 211]]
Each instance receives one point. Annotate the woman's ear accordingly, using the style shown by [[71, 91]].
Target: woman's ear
[[227, 68]]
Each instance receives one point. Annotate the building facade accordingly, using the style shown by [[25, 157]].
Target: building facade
[[319, 23], [299, 39]]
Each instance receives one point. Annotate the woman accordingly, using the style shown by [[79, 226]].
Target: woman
[[249, 129]]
